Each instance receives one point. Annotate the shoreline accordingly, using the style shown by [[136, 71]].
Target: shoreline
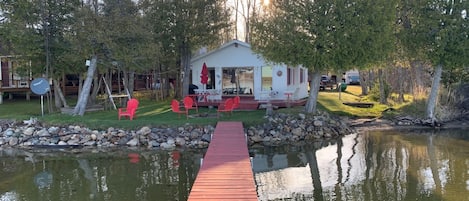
[[364, 124], [279, 129]]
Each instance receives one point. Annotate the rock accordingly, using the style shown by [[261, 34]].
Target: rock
[[9, 132], [317, 123], [90, 143], [206, 138], [144, 131], [180, 141], [13, 141], [53, 130], [302, 116], [133, 142], [29, 131], [43, 133], [165, 145], [297, 131]]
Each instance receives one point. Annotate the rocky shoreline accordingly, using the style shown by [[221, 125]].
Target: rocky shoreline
[[278, 129]]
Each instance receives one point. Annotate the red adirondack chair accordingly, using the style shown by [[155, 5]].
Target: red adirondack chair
[[177, 109], [236, 101], [189, 104], [227, 107], [130, 110]]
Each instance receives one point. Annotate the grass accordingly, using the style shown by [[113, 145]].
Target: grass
[[155, 114], [149, 113], [332, 102]]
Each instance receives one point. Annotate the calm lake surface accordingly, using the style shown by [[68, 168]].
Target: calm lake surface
[[410, 165]]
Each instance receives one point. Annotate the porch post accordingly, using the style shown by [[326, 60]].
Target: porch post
[[1, 84]]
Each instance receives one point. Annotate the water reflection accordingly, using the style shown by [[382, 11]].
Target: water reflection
[[96, 175], [370, 166]]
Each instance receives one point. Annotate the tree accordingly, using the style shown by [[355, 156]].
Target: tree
[[325, 35], [183, 26], [36, 30], [439, 34], [125, 38]]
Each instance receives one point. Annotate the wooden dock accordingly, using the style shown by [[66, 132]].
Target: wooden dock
[[226, 171]]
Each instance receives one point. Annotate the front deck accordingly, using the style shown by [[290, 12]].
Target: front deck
[[249, 103]]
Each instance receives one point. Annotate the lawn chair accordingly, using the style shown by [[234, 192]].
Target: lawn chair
[[176, 108], [189, 104], [236, 101], [130, 110], [227, 107]]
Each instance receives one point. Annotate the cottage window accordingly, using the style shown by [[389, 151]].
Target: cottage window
[[238, 80], [266, 78]]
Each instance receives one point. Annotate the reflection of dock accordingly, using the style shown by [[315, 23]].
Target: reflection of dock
[[226, 172]]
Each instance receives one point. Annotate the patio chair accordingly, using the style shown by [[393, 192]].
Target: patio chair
[[236, 101], [130, 110], [189, 104], [176, 108], [227, 107]]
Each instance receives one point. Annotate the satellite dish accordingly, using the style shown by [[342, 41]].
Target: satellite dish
[[40, 86]]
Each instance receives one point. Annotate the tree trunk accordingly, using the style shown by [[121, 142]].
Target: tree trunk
[[80, 83], [125, 81], [371, 79], [432, 98], [400, 83], [131, 82], [80, 108], [313, 92], [96, 86], [364, 82], [418, 86], [59, 96], [382, 92], [185, 63]]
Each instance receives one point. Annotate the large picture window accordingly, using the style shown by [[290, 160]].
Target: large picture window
[[238, 81]]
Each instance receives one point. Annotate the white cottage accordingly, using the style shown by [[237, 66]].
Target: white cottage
[[234, 69]]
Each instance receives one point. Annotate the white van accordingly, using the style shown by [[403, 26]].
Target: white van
[[352, 77]]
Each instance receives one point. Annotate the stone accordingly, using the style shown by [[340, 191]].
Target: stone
[[318, 123], [180, 141], [144, 131], [29, 131], [43, 133], [133, 142], [13, 141], [297, 131]]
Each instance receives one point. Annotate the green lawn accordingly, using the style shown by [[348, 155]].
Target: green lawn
[[332, 102], [149, 113]]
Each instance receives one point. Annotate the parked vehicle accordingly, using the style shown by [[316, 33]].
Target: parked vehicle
[[327, 82], [352, 77]]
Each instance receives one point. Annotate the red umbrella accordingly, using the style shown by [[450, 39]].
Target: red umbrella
[[204, 74]]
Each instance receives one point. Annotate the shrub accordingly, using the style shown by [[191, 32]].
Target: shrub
[[374, 92]]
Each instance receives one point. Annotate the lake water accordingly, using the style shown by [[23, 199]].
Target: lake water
[[420, 165]]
